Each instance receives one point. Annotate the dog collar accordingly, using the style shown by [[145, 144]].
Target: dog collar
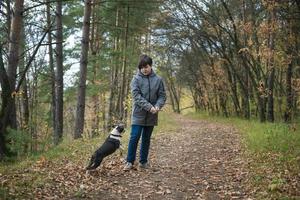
[[115, 137]]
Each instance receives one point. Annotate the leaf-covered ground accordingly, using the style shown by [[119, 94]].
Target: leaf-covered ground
[[198, 160]]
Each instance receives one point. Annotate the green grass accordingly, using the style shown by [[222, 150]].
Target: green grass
[[262, 137], [71, 149], [274, 153], [166, 122]]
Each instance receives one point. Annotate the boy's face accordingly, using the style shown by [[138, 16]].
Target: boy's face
[[146, 70]]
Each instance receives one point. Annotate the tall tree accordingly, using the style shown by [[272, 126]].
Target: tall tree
[[79, 122], [8, 78], [23, 101], [13, 54], [271, 67], [114, 76], [292, 49], [95, 45], [59, 87], [51, 61], [124, 68], [5, 106], [8, 16]]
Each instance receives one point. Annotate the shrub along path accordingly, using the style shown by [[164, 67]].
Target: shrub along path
[[198, 160]]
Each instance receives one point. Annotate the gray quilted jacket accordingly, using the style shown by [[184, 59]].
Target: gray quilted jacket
[[147, 91]]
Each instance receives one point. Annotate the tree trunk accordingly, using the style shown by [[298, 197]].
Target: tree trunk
[[270, 110], [25, 105], [114, 80], [51, 64], [171, 97], [34, 106], [289, 94], [13, 55], [24, 102], [261, 108], [223, 103], [124, 70], [8, 79], [236, 103], [175, 96], [245, 88], [289, 72], [5, 106], [245, 75], [59, 88], [95, 47], [8, 16], [79, 121], [103, 110], [271, 67]]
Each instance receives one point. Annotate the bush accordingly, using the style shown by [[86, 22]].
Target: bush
[[18, 141]]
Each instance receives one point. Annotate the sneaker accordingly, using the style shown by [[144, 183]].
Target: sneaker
[[144, 165], [128, 166]]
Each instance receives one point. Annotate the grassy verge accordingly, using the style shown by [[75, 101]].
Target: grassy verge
[[273, 151]]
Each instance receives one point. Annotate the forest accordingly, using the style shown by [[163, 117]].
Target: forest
[[237, 58], [66, 65]]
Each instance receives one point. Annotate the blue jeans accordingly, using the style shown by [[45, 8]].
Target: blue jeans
[[136, 132]]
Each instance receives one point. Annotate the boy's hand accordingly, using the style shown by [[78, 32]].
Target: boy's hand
[[153, 110], [157, 108]]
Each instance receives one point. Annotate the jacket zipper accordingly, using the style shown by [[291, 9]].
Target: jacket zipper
[[148, 99]]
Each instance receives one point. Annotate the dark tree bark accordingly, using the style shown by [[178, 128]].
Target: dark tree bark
[[114, 80], [233, 87], [5, 106], [292, 51], [13, 55], [270, 111], [51, 64], [176, 98], [8, 78], [95, 49], [289, 94], [124, 70], [8, 16], [59, 87], [245, 97], [79, 121], [172, 87], [24, 100]]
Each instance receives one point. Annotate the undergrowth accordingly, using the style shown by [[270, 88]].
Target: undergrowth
[[273, 151], [76, 149]]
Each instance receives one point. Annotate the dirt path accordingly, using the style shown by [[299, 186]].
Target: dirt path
[[201, 160]]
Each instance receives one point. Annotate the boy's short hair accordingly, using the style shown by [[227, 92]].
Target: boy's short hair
[[144, 61]]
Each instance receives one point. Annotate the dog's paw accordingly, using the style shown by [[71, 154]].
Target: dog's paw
[[91, 172], [91, 166]]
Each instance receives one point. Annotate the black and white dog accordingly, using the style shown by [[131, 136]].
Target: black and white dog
[[111, 144]]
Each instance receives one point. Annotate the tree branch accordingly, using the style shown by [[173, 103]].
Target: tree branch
[[32, 58]]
